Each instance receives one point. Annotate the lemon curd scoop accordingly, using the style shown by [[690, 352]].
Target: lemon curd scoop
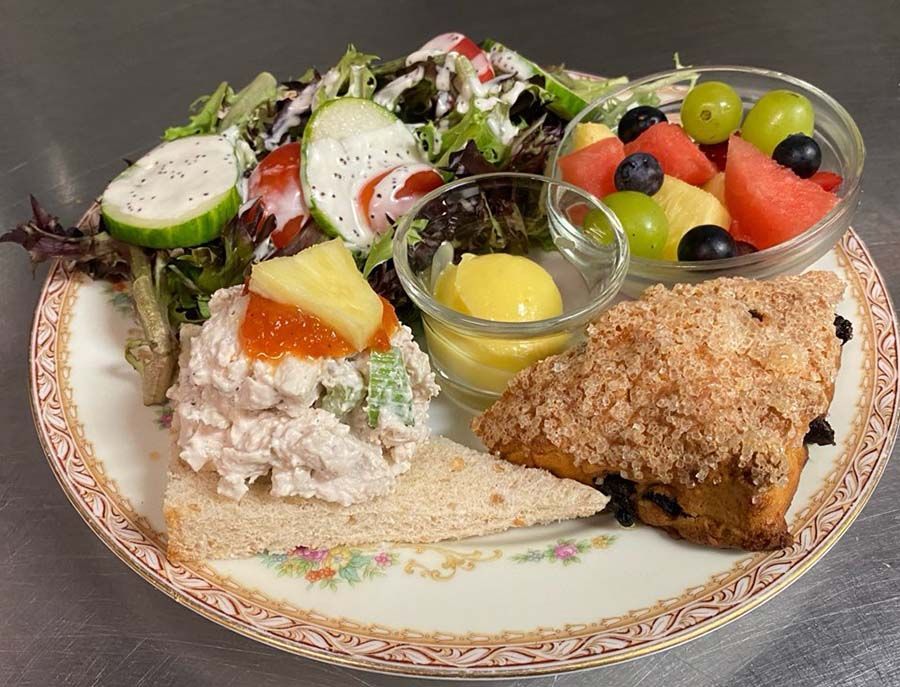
[[501, 288]]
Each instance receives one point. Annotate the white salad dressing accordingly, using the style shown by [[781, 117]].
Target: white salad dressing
[[291, 116], [387, 97], [444, 78], [444, 104], [422, 55], [507, 61], [438, 45], [329, 79], [500, 125], [248, 419], [386, 205], [153, 188]]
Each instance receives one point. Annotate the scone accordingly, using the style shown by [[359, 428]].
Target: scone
[[689, 406]]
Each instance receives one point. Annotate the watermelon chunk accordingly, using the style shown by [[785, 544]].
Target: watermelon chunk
[[594, 166], [678, 155], [769, 202], [829, 181]]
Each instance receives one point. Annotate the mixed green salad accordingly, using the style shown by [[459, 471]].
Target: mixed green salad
[[273, 167]]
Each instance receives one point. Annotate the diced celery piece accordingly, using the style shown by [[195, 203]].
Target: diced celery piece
[[390, 390], [341, 399]]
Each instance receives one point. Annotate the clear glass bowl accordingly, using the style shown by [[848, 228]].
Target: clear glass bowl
[[474, 358], [835, 131]]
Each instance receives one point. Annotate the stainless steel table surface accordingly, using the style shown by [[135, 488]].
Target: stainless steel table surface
[[84, 84]]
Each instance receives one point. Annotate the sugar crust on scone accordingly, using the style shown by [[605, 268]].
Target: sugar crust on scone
[[674, 385]]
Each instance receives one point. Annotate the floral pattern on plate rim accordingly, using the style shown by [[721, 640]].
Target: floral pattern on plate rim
[[342, 566], [565, 551], [331, 568], [119, 295]]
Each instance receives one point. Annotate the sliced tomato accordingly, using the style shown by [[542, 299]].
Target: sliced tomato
[[276, 182], [388, 195], [462, 45]]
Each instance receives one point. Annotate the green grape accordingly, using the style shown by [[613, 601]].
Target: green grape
[[597, 227], [641, 217], [711, 112], [775, 116]]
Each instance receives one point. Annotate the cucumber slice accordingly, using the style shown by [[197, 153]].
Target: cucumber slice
[[389, 387], [346, 142], [566, 103], [179, 194]]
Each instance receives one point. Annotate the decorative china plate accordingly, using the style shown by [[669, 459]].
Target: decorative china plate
[[545, 599]]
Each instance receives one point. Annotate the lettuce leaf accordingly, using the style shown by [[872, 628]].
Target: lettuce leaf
[[245, 103], [88, 248], [475, 126], [611, 111], [587, 87], [154, 355], [351, 76], [379, 253], [246, 112], [206, 119], [528, 151]]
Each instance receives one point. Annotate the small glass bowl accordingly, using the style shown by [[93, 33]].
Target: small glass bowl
[[842, 152], [475, 358]]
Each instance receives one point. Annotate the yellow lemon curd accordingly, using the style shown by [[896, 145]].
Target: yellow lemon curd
[[501, 288]]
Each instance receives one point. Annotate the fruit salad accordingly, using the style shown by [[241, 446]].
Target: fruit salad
[[715, 180]]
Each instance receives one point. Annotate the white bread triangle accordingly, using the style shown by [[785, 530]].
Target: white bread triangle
[[450, 492]]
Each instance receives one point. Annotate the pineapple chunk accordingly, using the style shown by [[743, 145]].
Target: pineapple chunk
[[686, 207], [716, 186], [588, 133], [323, 281]]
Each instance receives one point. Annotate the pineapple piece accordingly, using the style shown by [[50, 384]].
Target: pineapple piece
[[323, 281], [686, 207], [588, 133], [716, 186]]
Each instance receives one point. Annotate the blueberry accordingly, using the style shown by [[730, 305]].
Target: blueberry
[[639, 172], [637, 120], [744, 248], [800, 153], [706, 242]]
